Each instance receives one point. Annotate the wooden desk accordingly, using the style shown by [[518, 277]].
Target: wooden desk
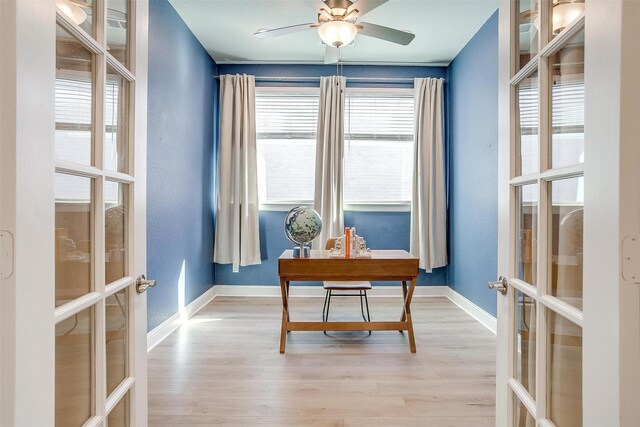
[[384, 265]]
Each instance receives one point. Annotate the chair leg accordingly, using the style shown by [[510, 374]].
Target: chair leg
[[366, 301], [324, 306], [328, 305], [362, 306]]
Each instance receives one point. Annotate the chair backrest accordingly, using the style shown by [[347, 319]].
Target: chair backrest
[[331, 243]]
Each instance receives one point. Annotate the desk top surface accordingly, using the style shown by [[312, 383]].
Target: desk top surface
[[386, 254]]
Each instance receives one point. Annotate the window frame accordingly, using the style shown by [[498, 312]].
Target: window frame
[[388, 206], [274, 205], [393, 206]]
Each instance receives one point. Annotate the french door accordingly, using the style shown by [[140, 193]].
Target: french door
[[74, 194], [564, 333]]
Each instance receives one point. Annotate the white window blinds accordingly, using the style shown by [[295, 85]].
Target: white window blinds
[[378, 116], [73, 107], [379, 130], [567, 145], [73, 103], [286, 137], [286, 116], [567, 106]]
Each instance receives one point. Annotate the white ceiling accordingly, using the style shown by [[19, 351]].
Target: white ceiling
[[226, 27]]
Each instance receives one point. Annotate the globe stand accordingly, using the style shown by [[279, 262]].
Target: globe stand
[[301, 251]]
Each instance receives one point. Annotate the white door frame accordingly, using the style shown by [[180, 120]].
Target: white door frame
[[27, 211], [27, 165], [611, 319], [611, 357], [138, 355]]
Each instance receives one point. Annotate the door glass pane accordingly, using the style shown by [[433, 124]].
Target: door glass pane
[[73, 237], [527, 246], [119, 415], [80, 12], [528, 26], [116, 135], [567, 100], [567, 225], [74, 369], [117, 329], [118, 30], [528, 104], [525, 365], [115, 217], [564, 12], [73, 99], [564, 371], [522, 417]]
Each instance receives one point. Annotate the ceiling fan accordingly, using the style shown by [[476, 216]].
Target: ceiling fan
[[338, 25]]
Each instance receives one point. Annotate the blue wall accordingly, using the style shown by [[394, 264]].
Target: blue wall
[[473, 161], [181, 129], [183, 123], [369, 71], [388, 230]]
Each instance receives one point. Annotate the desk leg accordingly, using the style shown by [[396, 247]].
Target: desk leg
[[404, 297], [288, 316], [285, 313], [403, 317], [407, 313]]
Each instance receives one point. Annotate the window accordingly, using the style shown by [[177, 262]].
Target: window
[[286, 122], [379, 129], [74, 99], [567, 130]]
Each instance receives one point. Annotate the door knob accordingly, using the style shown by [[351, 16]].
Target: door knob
[[500, 285], [142, 284]]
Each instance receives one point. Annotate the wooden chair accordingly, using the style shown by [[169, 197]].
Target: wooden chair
[[340, 286]]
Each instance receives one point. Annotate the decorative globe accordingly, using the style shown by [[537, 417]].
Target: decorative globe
[[302, 225]]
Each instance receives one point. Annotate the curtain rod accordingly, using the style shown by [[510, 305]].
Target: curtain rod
[[314, 79]]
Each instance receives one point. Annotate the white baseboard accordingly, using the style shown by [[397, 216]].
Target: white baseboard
[[486, 319], [318, 291], [166, 328]]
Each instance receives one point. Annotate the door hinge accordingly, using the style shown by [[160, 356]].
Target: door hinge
[[6, 254], [631, 259]]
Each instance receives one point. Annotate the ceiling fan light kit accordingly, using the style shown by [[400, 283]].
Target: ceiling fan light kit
[[564, 13], [337, 33], [72, 10], [337, 24]]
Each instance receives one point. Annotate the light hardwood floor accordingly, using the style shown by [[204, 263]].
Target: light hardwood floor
[[223, 368]]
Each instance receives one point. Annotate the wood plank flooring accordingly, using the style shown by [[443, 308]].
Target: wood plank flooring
[[223, 368]]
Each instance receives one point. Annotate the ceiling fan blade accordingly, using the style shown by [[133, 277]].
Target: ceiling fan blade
[[365, 6], [331, 55], [385, 33], [263, 34], [317, 5]]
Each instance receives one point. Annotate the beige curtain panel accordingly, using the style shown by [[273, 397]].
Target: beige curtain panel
[[330, 159], [428, 205], [237, 239]]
